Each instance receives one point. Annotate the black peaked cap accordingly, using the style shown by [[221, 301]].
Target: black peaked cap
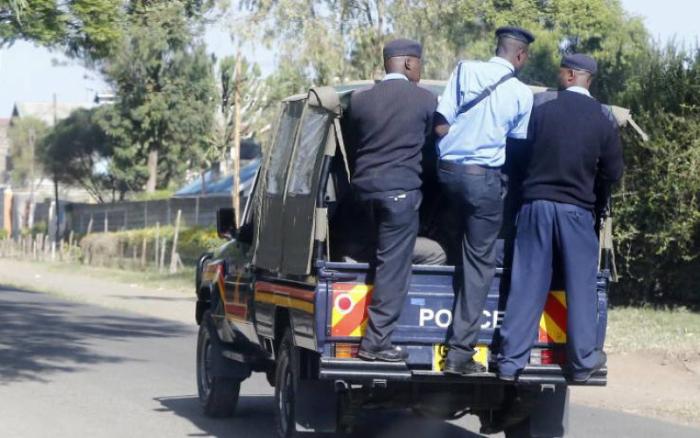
[[579, 61], [517, 33], [403, 47]]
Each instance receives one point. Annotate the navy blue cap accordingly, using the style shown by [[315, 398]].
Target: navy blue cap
[[402, 47], [517, 33], [579, 61]]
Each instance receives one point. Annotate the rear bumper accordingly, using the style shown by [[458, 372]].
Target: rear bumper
[[359, 371]]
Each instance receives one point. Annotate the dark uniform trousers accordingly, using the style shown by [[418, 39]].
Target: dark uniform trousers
[[548, 231], [477, 193], [395, 222]]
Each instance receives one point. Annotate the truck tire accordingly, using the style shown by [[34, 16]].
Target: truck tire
[[285, 425], [303, 407], [218, 395]]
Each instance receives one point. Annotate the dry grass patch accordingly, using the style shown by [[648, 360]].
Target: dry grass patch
[[676, 332]]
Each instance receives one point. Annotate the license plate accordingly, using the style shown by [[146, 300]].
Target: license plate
[[440, 354]]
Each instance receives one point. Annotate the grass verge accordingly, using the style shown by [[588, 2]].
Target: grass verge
[[676, 332]]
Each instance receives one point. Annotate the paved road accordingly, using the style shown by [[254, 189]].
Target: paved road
[[69, 369]]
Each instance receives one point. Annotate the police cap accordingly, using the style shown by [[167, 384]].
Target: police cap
[[402, 47], [517, 33], [579, 61]]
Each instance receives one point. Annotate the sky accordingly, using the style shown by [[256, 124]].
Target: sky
[[31, 73]]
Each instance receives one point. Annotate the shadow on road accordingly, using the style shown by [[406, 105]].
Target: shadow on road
[[254, 418], [154, 298], [40, 335]]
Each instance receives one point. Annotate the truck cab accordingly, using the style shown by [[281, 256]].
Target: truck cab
[[283, 297]]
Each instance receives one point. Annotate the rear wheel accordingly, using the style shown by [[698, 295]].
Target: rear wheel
[[303, 406], [284, 389], [218, 395]]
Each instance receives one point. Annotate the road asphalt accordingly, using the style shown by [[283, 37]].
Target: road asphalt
[[69, 369]]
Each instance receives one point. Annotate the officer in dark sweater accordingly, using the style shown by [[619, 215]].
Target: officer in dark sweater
[[574, 148], [389, 124]]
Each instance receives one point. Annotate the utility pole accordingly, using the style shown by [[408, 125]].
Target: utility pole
[[55, 187], [235, 147]]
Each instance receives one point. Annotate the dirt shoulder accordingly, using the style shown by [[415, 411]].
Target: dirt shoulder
[[653, 356], [132, 291]]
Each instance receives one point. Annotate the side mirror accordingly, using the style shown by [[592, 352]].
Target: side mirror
[[225, 223]]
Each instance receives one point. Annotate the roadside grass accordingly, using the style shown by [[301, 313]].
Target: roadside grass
[[676, 331]]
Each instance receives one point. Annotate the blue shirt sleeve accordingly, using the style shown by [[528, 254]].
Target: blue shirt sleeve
[[520, 125], [448, 105]]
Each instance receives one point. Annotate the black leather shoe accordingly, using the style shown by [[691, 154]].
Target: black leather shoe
[[583, 376], [391, 354], [463, 368], [510, 378]]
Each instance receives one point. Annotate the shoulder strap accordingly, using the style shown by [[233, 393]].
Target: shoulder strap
[[484, 94], [458, 96]]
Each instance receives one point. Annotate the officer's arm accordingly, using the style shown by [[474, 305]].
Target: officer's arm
[[448, 106], [610, 164], [610, 167], [440, 125]]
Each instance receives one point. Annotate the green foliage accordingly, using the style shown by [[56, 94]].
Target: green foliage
[[332, 41], [254, 121], [4, 234], [164, 109], [192, 242], [658, 204], [76, 152], [87, 28], [25, 134]]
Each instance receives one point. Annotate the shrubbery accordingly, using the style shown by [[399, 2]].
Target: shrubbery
[[657, 205], [192, 242]]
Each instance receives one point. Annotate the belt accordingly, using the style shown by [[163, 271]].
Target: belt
[[469, 169]]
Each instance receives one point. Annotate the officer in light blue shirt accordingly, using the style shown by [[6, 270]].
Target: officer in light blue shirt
[[483, 104]]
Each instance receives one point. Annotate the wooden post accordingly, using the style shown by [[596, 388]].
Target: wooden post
[[161, 265], [106, 221], [157, 244], [144, 247], [89, 228], [173, 252]]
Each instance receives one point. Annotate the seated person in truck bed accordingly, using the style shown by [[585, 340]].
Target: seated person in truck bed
[[352, 239]]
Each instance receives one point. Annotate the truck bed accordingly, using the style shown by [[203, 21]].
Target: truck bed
[[424, 323]]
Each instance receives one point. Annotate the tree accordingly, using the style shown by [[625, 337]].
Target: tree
[[658, 205], [164, 89], [77, 152], [242, 98], [25, 133], [88, 29], [85, 28], [338, 40]]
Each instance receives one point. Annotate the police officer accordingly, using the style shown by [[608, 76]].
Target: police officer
[[483, 104], [575, 146], [389, 124]]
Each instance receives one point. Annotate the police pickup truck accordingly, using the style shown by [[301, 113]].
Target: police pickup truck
[[279, 298]]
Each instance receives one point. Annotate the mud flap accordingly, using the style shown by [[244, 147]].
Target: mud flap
[[316, 408], [224, 365], [550, 414]]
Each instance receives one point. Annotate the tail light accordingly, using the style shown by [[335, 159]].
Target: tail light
[[548, 356], [346, 351]]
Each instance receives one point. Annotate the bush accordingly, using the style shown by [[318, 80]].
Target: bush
[[657, 206], [192, 242]]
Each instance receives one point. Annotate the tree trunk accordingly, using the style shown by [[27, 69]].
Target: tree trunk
[[152, 170]]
